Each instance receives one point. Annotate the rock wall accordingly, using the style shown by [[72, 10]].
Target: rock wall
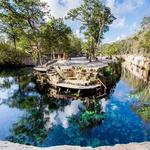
[[139, 61], [138, 65], [130, 146]]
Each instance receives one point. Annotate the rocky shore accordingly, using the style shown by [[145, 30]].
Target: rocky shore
[[139, 61], [139, 66], [130, 146]]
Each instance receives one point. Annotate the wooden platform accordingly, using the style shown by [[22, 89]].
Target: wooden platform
[[76, 76], [40, 69], [77, 87]]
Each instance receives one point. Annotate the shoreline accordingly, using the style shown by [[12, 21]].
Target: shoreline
[[5, 145]]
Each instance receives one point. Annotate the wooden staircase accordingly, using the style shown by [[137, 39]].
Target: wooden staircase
[[54, 76]]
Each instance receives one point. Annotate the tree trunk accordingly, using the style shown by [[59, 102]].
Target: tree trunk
[[53, 54], [39, 54], [39, 58], [93, 49]]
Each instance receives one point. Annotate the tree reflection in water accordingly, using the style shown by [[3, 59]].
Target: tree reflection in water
[[89, 116], [141, 93], [44, 113], [43, 121], [34, 127]]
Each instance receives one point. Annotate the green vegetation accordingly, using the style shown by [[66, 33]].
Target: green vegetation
[[144, 113], [27, 34], [145, 22], [10, 56], [30, 129], [140, 96], [143, 94], [55, 36], [110, 74], [20, 20], [95, 18], [88, 117], [137, 44]]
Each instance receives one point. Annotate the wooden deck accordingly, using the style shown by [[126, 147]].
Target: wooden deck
[[40, 69], [77, 87], [57, 77]]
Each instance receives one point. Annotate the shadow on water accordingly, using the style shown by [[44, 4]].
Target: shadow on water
[[33, 118]]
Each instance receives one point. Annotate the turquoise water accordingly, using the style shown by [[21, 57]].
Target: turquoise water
[[31, 118]]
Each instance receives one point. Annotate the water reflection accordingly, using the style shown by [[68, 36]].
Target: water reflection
[[7, 118], [36, 119], [39, 121], [41, 114], [60, 116], [140, 94], [136, 71]]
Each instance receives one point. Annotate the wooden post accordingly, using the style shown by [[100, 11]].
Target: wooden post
[[79, 91], [67, 90], [59, 90]]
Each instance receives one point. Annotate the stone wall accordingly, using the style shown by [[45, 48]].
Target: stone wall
[[130, 146], [139, 61], [138, 65]]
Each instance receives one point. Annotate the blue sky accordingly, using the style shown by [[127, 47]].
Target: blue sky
[[129, 14]]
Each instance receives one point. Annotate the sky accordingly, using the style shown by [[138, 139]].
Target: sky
[[129, 14]]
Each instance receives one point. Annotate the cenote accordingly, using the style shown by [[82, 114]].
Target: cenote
[[29, 117]]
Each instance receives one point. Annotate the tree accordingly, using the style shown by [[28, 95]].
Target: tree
[[10, 23], [95, 18], [75, 45], [145, 22], [145, 43], [55, 36], [22, 19], [33, 13], [86, 48]]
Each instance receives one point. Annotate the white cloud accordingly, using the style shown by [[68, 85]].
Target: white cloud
[[60, 117], [59, 10], [79, 34], [129, 5], [111, 4], [120, 9], [119, 23], [121, 37], [124, 7]]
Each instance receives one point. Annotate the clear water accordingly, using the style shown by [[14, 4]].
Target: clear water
[[31, 118]]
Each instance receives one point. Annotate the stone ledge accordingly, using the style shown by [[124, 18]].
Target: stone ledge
[[4, 145]]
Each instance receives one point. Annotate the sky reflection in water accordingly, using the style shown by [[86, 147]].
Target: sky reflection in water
[[56, 122]]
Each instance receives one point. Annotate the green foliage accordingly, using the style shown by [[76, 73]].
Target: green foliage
[[108, 71], [142, 93], [111, 49], [145, 42], [86, 47], [90, 117], [95, 18], [30, 129], [21, 20], [144, 112], [145, 22], [137, 44], [55, 36], [75, 45], [11, 56]]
